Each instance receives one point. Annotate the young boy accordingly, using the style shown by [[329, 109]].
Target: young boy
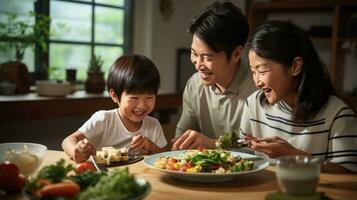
[[133, 82]]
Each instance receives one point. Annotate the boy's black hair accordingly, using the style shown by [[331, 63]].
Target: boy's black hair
[[282, 42], [133, 74], [222, 26]]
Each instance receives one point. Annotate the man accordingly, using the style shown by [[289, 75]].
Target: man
[[214, 97]]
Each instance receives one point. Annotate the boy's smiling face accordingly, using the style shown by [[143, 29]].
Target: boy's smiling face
[[271, 77], [134, 107]]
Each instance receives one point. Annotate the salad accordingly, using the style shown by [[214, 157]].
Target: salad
[[205, 160], [83, 183]]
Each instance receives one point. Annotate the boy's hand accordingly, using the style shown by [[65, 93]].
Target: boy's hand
[[83, 150], [141, 143]]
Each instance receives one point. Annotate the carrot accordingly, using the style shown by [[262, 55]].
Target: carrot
[[43, 182], [62, 189]]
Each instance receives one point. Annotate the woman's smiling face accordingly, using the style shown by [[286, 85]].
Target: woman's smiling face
[[271, 77]]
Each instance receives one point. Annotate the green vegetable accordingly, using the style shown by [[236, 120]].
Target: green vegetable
[[238, 167], [55, 173], [248, 165], [228, 140], [87, 178], [243, 165], [120, 185], [211, 160]]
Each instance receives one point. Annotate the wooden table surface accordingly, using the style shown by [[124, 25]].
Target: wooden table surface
[[248, 186]]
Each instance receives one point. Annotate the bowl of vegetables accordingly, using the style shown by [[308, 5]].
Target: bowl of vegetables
[[84, 182]]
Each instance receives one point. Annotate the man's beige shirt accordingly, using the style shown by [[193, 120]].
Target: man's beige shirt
[[208, 111]]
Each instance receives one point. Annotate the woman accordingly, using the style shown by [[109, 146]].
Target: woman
[[296, 110]]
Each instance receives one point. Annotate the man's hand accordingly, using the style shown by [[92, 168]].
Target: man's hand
[[192, 140], [274, 147]]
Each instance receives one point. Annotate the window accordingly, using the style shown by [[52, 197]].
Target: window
[[21, 9], [79, 29]]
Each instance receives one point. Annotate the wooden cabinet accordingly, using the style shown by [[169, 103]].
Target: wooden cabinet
[[340, 16], [31, 106]]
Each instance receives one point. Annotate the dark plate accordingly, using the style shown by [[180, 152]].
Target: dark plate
[[132, 159]]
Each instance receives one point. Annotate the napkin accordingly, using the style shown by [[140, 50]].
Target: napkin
[[282, 196]]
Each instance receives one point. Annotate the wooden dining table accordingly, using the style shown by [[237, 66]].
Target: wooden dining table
[[249, 186]]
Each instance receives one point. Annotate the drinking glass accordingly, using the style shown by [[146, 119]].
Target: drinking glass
[[298, 175]]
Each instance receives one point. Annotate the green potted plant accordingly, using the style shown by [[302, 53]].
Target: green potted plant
[[17, 35], [95, 82]]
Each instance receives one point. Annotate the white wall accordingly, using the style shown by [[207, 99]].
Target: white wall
[[159, 39]]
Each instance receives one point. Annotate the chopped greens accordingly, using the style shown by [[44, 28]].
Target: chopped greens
[[228, 140], [55, 173], [120, 185], [87, 178]]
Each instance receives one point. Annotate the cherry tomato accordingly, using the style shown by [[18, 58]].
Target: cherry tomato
[[84, 167], [216, 166], [171, 166], [172, 160], [10, 179], [21, 181], [43, 182], [189, 165], [184, 167], [201, 149]]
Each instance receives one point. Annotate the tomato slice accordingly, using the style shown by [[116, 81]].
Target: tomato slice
[[201, 149], [85, 166]]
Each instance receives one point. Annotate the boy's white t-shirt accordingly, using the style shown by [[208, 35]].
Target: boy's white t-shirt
[[105, 128]]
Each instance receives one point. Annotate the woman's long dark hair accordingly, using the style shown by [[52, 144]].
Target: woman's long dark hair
[[282, 42]]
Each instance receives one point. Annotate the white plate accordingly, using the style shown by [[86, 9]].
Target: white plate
[[259, 164]]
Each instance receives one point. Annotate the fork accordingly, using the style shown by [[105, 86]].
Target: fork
[[128, 146], [99, 169], [132, 153], [241, 142]]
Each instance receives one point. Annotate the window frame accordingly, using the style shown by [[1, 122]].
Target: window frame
[[42, 58]]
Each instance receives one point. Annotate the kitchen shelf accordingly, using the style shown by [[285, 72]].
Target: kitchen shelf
[[296, 6], [348, 39]]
